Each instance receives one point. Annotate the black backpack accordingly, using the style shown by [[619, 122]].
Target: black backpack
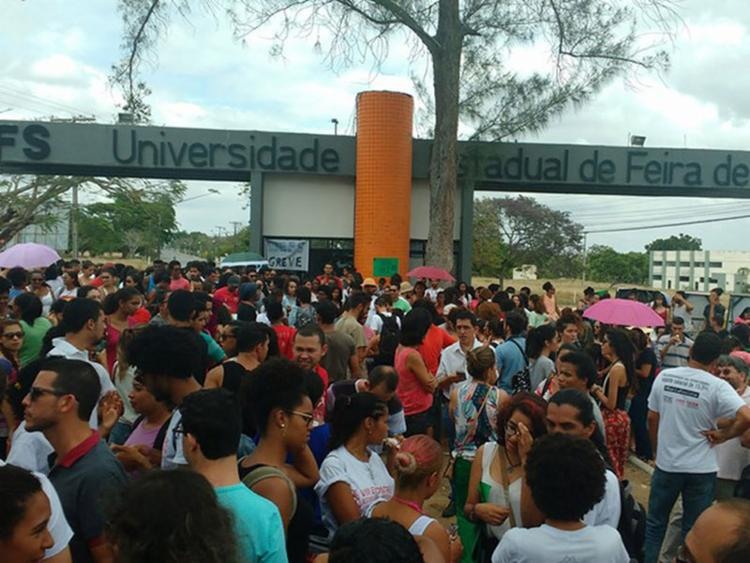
[[632, 525], [390, 336], [521, 381]]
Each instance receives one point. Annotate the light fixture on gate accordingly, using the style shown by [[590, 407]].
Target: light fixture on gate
[[637, 140]]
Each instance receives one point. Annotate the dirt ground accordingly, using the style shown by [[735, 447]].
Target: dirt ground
[[639, 479]]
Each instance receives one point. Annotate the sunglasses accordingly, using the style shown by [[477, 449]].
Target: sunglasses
[[10, 335], [37, 392]]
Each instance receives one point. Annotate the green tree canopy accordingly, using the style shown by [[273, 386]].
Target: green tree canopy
[[675, 242], [134, 223], [509, 232], [605, 264]]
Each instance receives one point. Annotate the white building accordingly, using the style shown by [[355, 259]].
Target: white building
[[699, 270]]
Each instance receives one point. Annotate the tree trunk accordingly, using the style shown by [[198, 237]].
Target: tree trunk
[[446, 68]]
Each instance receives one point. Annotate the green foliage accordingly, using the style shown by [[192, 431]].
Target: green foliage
[[487, 244], [509, 232], [136, 222], [605, 264], [675, 242], [211, 247]]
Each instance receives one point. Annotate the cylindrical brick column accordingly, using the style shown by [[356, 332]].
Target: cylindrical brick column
[[382, 203]]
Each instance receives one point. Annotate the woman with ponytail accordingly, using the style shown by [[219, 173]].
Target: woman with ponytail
[[352, 478], [473, 406], [417, 467]]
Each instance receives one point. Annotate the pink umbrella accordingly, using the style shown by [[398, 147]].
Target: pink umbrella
[[623, 312], [28, 255], [430, 272]]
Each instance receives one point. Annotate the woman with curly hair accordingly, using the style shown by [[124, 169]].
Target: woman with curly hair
[[497, 473], [155, 520]]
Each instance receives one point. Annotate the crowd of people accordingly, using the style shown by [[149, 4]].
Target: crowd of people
[[214, 415]]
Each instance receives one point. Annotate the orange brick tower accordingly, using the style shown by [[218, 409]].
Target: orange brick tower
[[382, 201]]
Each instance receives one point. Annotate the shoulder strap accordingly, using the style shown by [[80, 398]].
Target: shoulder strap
[[506, 486], [268, 472], [525, 358], [161, 434]]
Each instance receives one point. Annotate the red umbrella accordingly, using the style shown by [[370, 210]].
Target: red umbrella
[[623, 312], [430, 272]]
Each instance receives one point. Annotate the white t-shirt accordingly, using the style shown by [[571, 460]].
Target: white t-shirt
[[731, 456], [61, 347], [370, 482], [545, 544], [172, 455], [376, 322], [606, 511], [453, 360], [58, 527], [689, 401], [30, 450]]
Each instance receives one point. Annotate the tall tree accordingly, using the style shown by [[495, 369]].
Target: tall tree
[[467, 45], [38, 200], [605, 264], [528, 233], [132, 223], [675, 242], [487, 244]]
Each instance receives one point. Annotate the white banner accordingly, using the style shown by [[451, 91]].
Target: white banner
[[287, 254]]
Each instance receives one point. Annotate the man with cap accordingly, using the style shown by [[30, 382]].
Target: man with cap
[[229, 295]]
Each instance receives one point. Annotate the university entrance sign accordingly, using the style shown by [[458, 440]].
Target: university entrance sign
[[170, 152], [106, 150]]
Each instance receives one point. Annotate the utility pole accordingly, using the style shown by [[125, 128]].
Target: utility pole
[[585, 234], [236, 226], [74, 222]]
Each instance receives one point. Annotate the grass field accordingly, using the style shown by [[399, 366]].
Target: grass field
[[569, 291]]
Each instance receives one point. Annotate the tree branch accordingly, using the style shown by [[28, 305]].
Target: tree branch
[[406, 18], [137, 38]]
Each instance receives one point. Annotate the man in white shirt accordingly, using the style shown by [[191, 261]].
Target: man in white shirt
[[166, 355], [731, 457], [84, 323], [685, 406], [570, 412], [452, 367], [567, 479], [431, 292]]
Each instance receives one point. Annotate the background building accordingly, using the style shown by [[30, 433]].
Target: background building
[[700, 270]]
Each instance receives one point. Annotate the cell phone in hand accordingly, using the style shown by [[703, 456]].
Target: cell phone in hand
[[461, 375]]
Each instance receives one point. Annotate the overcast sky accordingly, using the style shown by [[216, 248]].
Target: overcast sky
[[57, 55]]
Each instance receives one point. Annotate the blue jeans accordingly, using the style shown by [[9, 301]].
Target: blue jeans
[[697, 495]]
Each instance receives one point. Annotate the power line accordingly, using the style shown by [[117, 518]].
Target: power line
[[664, 225], [59, 106]]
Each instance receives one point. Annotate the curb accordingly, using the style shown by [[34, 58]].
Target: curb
[[640, 464]]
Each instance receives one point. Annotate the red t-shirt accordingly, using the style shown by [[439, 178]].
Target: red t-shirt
[[320, 410], [227, 298], [179, 283], [415, 398], [285, 336], [433, 344]]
